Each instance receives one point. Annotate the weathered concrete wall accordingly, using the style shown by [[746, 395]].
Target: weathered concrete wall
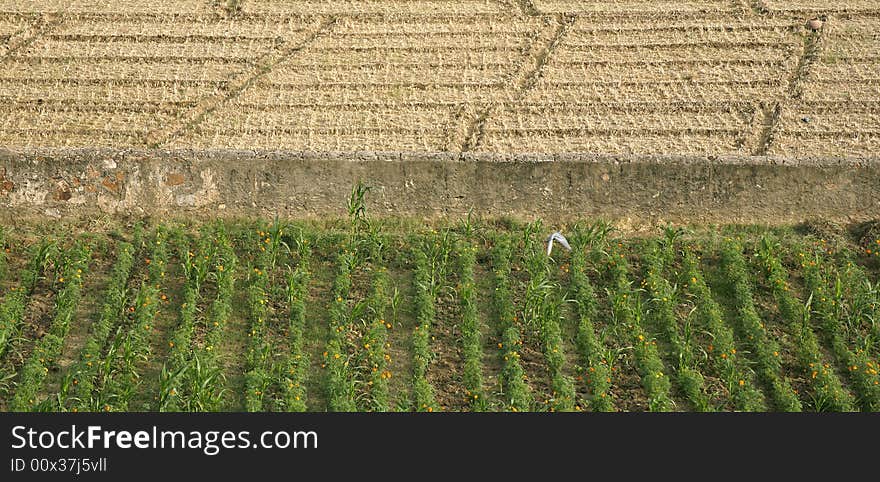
[[305, 184]]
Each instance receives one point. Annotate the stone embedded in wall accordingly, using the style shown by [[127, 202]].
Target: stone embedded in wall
[[62, 195], [62, 191], [110, 185], [113, 183], [185, 200], [174, 179], [6, 186]]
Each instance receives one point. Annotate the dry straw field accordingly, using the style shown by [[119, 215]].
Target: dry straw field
[[716, 77], [645, 111]]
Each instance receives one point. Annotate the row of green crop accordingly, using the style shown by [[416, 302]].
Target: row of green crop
[[722, 350], [374, 343], [627, 310], [47, 349], [829, 304], [14, 305], [827, 391], [543, 311], [425, 294], [431, 263], [171, 396], [765, 349], [259, 364], [861, 308], [471, 328], [341, 388], [80, 380], [192, 378], [209, 380], [294, 366], [119, 371], [594, 354], [663, 302], [515, 392], [296, 361]]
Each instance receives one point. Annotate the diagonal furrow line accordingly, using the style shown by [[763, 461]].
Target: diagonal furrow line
[[43, 25], [234, 88], [526, 79], [527, 7], [793, 92]]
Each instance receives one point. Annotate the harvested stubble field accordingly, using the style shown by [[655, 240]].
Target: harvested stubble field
[[709, 77], [359, 314], [700, 110]]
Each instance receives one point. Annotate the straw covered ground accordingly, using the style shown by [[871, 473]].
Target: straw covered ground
[[708, 77]]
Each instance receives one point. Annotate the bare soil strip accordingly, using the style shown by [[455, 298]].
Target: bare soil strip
[[491, 361], [403, 322]]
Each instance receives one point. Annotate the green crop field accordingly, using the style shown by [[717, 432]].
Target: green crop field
[[364, 314]]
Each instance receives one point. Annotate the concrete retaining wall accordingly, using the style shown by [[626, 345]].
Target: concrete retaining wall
[[65, 182]]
